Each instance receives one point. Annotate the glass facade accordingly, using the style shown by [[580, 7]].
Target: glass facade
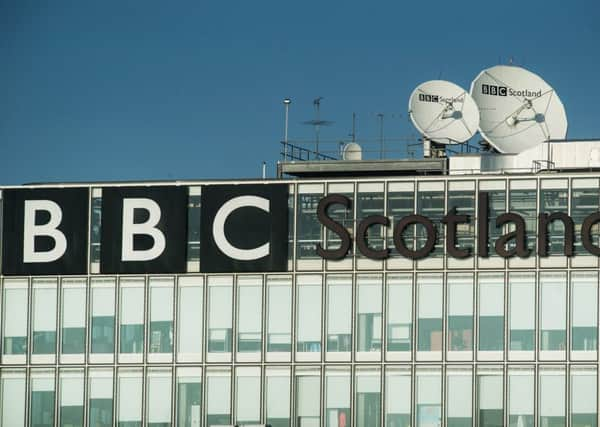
[[357, 342]]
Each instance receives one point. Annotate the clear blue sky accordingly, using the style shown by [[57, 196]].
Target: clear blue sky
[[128, 90]]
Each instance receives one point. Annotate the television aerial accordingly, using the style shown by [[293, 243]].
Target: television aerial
[[518, 109], [443, 112]]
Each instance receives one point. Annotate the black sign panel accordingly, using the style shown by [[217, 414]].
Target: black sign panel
[[244, 228], [45, 231], [144, 230]]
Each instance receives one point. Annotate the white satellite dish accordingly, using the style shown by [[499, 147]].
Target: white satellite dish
[[352, 151], [518, 109], [443, 112]]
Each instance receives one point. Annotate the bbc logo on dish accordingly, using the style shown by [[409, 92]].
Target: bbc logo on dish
[[428, 98], [494, 90]]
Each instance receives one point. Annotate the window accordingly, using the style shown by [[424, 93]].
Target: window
[[71, 387], [339, 313], [429, 323], [193, 234], [368, 397], [161, 315], [459, 397], [129, 395], [337, 397], [521, 397], [397, 397], [523, 202], [13, 398], [369, 312], [584, 201], [247, 383], [491, 311], [522, 312], [401, 203], [308, 227], [464, 202], [497, 206], [103, 316], [555, 200], [73, 316], [100, 397], [279, 314], [158, 397], [41, 403], [399, 313], [44, 316], [553, 305], [219, 314], [340, 214], [370, 201], [308, 314], [190, 318], [431, 204], [308, 397], [218, 397], [15, 317], [552, 397], [189, 397], [429, 394], [460, 312], [249, 314], [489, 397], [584, 312], [131, 337], [584, 410], [278, 396]]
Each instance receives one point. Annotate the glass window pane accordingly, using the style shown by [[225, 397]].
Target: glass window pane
[[522, 311], [247, 384], [584, 397], [368, 397], [553, 289], [73, 317], [497, 206], [464, 202], [218, 396], [491, 311], [158, 398], [71, 398], [459, 397], [552, 200], [190, 324], [489, 398], [337, 397], [308, 397], [44, 316], [161, 315], [431, 204], [41, 404], [308, 227], [279, 313], [219, 315], [521, 397], [278, 396], [523, 202], [129, 396], [193, 233], [15, 318], [13, 398], [342, 215], [308, 317], [552, 397], [189, 397], [369, 312], [103, 316], [397, 397], [339, 313], [584, 201], [399, 312], [460, 312], [584, 311], [399, 205], [368, 204], [100, 398], [429, 395], [429, 323], [249, 314], [132, 317]]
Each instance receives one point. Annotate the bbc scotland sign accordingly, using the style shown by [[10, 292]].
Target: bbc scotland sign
[[243, 228]]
